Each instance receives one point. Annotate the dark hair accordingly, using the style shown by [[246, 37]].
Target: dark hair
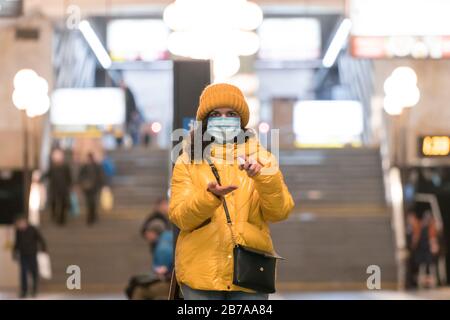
[[156, 226], [197, 130], [20, 217]]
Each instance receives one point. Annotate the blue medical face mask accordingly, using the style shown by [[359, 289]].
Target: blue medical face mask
[[224, 129]]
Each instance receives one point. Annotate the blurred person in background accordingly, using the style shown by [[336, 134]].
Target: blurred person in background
[[410, 187], [427, 248], [156, 232], [28, 242], [423, 245], [59, 178], [130, 102], [160, 213], [133, 118], [156, 284], [109, 170], [162, 254], [118, 135], [134, 127], [91, 180], [412, 238], [146, 134], [251, 182]]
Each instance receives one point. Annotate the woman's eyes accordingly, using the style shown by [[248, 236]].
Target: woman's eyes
[[228, 114]]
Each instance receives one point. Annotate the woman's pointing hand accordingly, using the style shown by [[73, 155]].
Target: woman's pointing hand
[[251, 166]]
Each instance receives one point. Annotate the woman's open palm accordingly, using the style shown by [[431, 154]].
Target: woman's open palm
[[220, 191]]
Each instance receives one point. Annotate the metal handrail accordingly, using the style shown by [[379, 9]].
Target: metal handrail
[[398, 224], [393, 188]]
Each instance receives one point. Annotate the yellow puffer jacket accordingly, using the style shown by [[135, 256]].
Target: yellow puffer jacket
[[203, 256]]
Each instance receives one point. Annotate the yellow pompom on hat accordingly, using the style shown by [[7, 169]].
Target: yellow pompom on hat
[[223, 95]]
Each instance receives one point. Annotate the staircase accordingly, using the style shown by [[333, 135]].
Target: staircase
[[112, 250], [347, 176], [339, 227], [142, 177], [341, 224]]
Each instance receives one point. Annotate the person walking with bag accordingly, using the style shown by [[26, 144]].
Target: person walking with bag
[[59, 178], [28, 242], [225, 190]]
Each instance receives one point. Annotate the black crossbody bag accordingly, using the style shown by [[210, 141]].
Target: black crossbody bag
[[252, 269]]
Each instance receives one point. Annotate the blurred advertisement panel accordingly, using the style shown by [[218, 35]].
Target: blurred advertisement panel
[[333, 123], [403, 28], [83, 107], [290, 39]]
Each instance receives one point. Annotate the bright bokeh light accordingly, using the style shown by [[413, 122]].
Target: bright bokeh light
[[264, 127], [405, 74], [247, 82], [24, 78], [420, 50], [19, 100], [31, 93], [250, 16], [41, 85], [392, 106], [401, 90], [39, 106], [412, 98], [225, 67], [204, 29], [156, 127], [245, 43]]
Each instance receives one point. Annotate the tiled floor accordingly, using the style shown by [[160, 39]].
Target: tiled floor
[[348, 295], [64, 296], [439, 294], [432, 294]]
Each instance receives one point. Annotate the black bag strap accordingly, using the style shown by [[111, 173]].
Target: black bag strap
[[225, 207], [224, 202]]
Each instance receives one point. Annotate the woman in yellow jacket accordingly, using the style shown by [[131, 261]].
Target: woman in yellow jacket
[[252, 186]]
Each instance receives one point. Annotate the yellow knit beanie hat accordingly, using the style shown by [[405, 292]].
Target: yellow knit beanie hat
[[223, 95]]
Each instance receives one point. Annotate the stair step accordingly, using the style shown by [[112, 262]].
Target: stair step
[[336, 249]]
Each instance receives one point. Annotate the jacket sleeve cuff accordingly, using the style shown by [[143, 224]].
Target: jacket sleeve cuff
[[267, 178], [213, 200]]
